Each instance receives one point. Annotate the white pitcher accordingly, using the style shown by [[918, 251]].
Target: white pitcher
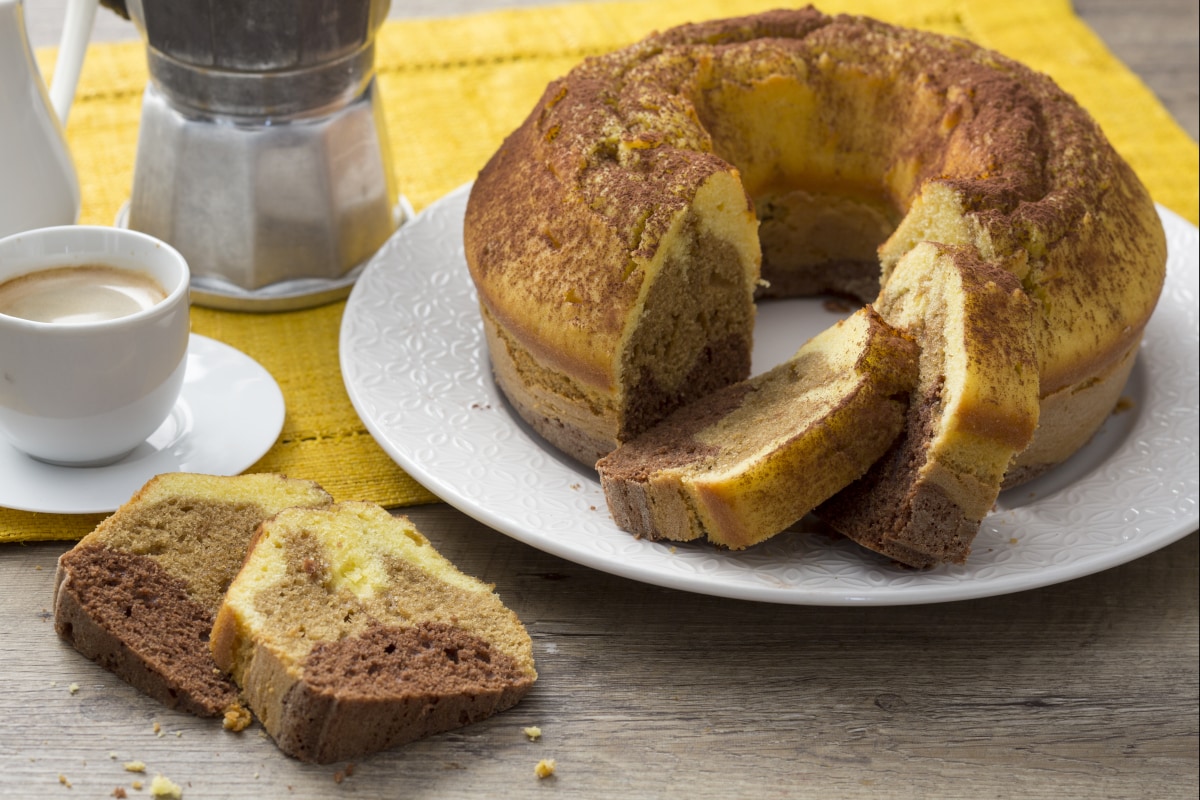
[[38, 183]]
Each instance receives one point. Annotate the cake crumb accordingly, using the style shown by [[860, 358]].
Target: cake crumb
[[119, 793], [63, 780], [545, 768], [135, 766], [165, 788], [237, 718], [158, 731], [113, 755], [73, 688], [533, 733], [137, 785]]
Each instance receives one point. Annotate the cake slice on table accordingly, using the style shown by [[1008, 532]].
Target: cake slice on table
[[138, 595], [975, 410], [348, 633], [742, 464]]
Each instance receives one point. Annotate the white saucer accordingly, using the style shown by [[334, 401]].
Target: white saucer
[[229, 414]]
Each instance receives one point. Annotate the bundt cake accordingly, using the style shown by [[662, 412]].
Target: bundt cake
[[348, 633], [725, 467], [138, 595], [621, 235]]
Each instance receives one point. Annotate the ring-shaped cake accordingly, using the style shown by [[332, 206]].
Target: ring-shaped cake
[[620, 237]]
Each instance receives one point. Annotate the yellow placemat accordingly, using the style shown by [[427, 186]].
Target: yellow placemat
[[453, 88]]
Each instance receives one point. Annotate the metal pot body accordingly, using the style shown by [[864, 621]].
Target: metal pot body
[[263, 153]]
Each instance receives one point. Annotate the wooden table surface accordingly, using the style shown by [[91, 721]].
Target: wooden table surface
[[1086, 689]]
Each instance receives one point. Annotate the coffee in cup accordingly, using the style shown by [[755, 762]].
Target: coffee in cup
[[86, 293], [94, 328]]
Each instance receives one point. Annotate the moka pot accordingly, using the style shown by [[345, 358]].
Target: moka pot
[[262, 154]]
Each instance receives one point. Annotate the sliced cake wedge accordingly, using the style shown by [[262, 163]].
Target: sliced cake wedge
[[138, 595], [744, 463], [348, 634], [976, 409]]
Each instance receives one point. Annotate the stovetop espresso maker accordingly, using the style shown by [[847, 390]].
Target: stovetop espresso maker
[[262, 154]]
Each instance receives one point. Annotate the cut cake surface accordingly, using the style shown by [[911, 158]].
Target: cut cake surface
[[349, 634]]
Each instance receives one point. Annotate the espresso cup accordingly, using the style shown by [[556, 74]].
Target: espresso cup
[[94, 326]]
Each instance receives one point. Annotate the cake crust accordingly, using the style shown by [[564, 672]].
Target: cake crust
[[388, 686], [135, 619]]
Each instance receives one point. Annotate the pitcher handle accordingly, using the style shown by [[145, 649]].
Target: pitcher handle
[[77, 29]]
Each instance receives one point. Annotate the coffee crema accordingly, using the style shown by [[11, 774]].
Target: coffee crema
[[79, 294]]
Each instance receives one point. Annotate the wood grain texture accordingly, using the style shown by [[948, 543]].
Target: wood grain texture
[[1160, 41], [1086, 689]]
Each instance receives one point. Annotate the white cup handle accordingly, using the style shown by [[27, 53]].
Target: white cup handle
[[77, 29]]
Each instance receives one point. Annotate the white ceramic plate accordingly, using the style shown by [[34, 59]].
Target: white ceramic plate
[[416, 367], [228, 415]]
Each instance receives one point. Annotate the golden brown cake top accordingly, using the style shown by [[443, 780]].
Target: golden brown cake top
[[975, 148]]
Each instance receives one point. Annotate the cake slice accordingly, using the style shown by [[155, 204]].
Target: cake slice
[[744, 463], [348, 633], [975, 410], [138, 595]]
